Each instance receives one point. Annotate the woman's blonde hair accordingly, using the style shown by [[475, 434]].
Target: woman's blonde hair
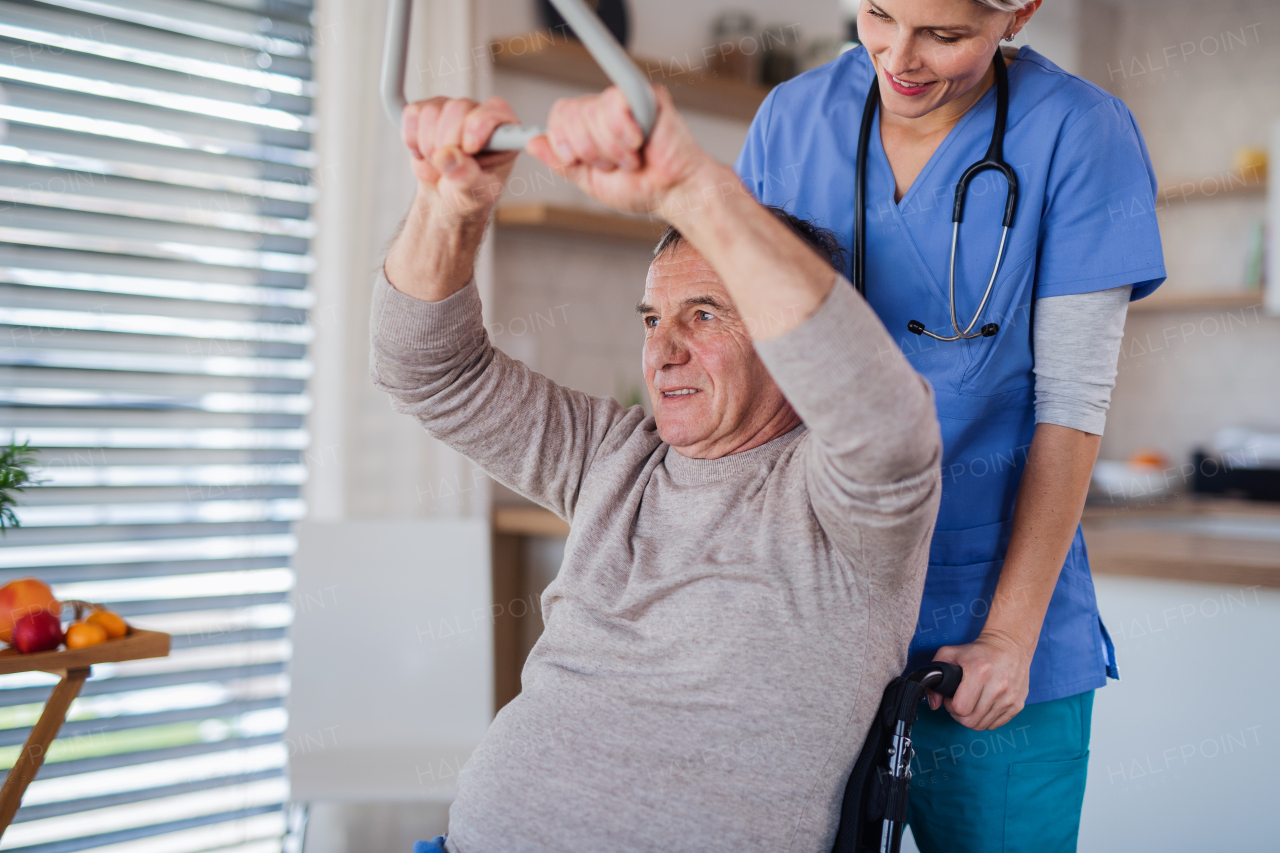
[[1004, 5]]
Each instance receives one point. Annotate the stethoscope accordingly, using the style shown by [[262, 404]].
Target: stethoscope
[[994, 159]]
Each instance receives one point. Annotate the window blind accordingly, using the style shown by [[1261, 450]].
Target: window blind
[[155, 198]]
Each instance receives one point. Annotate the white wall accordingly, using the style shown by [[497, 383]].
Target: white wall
[[1054, 31], [366, 461], [1202, 79]]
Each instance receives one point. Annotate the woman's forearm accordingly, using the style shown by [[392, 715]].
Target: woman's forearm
[[1050, 500]]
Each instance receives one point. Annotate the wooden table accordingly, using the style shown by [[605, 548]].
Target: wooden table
[[1164, 538], [73, 666]]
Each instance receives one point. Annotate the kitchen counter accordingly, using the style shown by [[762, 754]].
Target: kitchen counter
[[1176, 537], [1187, 537]]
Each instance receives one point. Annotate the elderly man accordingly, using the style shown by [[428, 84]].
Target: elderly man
[[745, 566]]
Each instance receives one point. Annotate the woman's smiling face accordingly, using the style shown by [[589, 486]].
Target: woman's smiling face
[[928, 53]]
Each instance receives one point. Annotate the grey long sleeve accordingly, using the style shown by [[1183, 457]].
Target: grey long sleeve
[[437, 363], [877, 456], [540, 438], [1077, 345]]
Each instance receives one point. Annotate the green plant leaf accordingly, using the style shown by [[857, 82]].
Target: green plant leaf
[[16, 462]]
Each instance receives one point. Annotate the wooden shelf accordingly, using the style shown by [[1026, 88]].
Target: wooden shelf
[[580, 221], [528, 521], [514, 633], [1227, 184], [1229, 301], [553, 57]]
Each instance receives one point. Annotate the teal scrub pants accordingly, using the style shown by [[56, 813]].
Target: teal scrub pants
[[1015, 789]]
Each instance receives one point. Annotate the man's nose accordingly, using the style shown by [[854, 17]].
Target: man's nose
[[665, 348]]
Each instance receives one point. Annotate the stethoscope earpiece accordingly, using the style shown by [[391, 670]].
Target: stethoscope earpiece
[[989, 330]]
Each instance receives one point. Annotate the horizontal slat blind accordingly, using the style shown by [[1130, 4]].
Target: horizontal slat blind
[[155, 227]]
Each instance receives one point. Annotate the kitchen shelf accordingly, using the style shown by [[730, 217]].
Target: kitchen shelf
[[528, 521], [580, 221], [1211, 186], [552, 57], [1196, 302]]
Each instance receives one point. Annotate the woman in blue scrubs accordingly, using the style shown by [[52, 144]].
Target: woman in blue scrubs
[[1008, 595]]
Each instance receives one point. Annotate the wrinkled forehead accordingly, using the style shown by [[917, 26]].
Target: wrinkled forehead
[[680, 273]]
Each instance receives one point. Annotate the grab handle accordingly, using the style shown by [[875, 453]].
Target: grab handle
[[940, 677], [599, 42]]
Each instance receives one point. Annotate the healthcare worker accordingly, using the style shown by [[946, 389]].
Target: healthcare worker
[[1022, 397]]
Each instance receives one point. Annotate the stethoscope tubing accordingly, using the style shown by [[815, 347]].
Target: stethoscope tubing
[[994, 159]]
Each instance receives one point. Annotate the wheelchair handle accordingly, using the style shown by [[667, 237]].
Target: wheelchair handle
[[599, 42], [939, 677]]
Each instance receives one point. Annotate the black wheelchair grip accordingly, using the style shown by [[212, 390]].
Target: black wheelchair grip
[[951, 675]]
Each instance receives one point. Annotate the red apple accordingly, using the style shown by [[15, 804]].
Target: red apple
[[38, 631], [20, 597]]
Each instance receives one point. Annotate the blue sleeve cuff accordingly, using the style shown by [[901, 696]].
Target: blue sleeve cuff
[[1144, 280]]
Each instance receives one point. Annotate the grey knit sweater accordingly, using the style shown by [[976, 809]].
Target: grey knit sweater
[[721, 631]]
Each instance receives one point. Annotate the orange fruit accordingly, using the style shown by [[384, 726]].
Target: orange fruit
[[20, 597], [1150, 459], [109, 622], [83, 634]]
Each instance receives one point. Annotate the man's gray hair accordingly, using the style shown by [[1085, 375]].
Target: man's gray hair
[[822, 240]]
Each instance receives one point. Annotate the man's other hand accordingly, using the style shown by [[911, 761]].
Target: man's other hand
[[445, 137], [434, 254], [599, 146]]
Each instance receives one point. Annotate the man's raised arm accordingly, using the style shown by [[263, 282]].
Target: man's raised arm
[[878, 443], [430, 351]]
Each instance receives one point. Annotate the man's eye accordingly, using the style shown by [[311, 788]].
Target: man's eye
[[876, 13], [703, 315], [651, 322], [946, 39]]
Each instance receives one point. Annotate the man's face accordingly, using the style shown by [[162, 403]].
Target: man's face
[[711, 394]]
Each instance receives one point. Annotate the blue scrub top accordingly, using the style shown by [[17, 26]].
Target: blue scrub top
[[1085, 221]]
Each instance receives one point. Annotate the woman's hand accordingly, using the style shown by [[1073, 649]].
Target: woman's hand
[[445, 137], [997, 666], [600, 147], [997, 677]]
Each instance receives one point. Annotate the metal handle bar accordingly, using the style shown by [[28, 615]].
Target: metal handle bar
[[941, 677], [599, 42]]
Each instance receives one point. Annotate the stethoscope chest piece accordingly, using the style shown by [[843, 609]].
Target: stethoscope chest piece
[[994, 160]]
